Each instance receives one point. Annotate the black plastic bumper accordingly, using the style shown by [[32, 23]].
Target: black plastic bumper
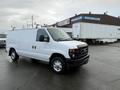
[[78, 62]]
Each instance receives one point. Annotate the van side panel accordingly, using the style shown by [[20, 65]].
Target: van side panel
[[22, 41]]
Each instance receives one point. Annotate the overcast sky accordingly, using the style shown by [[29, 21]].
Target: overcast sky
[[19, 12]]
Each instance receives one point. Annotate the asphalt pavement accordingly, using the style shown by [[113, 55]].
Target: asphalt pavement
[[101, 73]]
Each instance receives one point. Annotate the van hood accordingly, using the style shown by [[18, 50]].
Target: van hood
[[73, 44]]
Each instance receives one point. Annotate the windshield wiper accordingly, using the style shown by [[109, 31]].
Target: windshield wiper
[[62, 39], [68, 39]]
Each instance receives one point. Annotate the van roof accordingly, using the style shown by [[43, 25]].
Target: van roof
[[33, 28]]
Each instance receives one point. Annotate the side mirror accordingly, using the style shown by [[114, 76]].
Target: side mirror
[[46, 39], [43, 38]]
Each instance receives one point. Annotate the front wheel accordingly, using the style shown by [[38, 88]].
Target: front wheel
[[58, 65]]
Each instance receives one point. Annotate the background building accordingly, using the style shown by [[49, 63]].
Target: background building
[[92, 27], [89, 18]]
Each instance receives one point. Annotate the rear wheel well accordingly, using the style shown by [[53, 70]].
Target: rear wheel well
[[11, 51]]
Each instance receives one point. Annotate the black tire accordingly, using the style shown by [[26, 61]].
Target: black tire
[[58, 65], [14, 56]]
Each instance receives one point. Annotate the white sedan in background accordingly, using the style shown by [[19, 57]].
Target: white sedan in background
[[2, 40]]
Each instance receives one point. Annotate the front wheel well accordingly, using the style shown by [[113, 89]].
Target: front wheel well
[[57, 55]]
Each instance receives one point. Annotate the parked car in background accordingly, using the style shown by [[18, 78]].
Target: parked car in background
[[2, 40]]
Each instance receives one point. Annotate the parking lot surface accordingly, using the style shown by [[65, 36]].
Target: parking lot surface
[[101, 73]]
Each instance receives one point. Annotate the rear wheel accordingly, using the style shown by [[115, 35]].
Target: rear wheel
[[14, 56], [58, 65]]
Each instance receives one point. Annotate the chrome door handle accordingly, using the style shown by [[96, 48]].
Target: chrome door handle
[[33, 47]]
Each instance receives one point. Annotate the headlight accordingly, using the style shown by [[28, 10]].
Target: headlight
[[72, 53]]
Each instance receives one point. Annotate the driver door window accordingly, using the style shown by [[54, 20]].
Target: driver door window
[[41, 32]]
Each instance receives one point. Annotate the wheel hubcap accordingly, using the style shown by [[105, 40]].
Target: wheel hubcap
[[12, 56], [57, 65]]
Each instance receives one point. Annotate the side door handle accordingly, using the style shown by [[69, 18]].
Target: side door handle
[[33, 47]]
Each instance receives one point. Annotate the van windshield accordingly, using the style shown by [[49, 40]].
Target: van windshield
[[59, 35]]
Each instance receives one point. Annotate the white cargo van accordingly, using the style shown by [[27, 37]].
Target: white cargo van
[[47, 44]]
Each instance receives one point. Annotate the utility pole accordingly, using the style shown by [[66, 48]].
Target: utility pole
[[32, 19], [27, 24]]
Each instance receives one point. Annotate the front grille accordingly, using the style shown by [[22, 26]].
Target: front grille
[[82, 52]]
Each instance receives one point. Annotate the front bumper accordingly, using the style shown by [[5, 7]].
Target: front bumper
[[78, 62]]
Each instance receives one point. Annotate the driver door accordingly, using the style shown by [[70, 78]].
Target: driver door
[[41, 48]]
